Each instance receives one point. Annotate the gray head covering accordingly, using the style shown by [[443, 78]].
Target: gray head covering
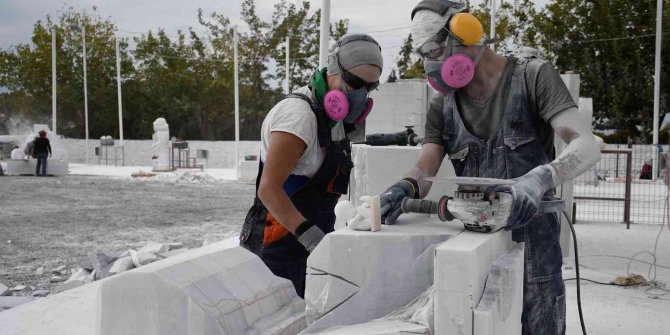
[[354, 50]]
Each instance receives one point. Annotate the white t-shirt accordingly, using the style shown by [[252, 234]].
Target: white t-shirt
[[294, 116]]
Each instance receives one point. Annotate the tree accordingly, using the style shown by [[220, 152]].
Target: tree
[[409, 65], [611, 45], [26, 72]]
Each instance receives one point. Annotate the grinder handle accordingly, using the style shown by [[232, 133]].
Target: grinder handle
[[410, 205]]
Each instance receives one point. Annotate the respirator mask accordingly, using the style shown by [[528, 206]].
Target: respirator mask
[[355, 105], [447, 65]]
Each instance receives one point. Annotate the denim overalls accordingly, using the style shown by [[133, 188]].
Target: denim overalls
[[514, 149], [315, 198]]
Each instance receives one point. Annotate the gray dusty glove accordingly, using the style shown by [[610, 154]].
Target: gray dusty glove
[[391, 200], [527, 194], [309, 235]]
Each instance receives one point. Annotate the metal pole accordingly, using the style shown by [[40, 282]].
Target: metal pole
[[493, 23], [324, 37], [83, 38], [53, 80], [629, 180], [287, 85], [657, 81], [118, 84], [237, 104]]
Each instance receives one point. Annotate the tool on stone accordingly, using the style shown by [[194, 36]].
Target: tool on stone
[[482, 209], [476, 203], [403, 138]]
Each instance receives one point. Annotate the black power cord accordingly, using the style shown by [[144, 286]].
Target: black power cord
[[579, 295]]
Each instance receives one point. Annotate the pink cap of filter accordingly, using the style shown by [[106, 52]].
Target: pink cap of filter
[[336, 105], [458, 70]]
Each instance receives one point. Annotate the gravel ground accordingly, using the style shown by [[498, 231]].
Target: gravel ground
[[50, 222]]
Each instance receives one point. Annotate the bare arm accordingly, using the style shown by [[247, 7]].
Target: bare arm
[[427, 165], [284, 150], [582, 151]]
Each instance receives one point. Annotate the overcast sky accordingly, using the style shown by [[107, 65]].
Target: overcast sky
[[17, 17]]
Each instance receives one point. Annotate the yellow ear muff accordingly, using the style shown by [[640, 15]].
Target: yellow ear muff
[[466, 28]]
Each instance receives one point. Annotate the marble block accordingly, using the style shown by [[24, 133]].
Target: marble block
[[248, 170], [377, 168], [462, 267], [357, 276], [498, 311], [392, 327], [27, 167], [217, 289]]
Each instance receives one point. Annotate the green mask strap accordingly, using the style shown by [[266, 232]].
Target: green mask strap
[[320, 88], [318, 83]]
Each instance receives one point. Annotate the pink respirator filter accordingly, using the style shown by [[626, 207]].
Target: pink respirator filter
[[336, 105], [458, 70]]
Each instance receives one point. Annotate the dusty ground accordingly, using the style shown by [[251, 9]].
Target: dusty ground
[[60, 221]]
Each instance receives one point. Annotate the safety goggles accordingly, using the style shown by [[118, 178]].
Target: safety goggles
[[357, 82], [462, 26]]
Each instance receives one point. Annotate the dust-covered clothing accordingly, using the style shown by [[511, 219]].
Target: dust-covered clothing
[[515, 147], [547, 96]]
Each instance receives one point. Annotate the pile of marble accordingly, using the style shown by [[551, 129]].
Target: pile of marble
[[101, 264]]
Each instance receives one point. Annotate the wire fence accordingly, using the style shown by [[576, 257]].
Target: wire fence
[[622, 189]]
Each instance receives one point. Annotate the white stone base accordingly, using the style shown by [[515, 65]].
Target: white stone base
[[355, 277], [27, 167], [465, 267], [377, 168], [248, 170], [218, 289]]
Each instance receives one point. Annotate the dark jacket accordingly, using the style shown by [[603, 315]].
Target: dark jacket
[[42, 146]]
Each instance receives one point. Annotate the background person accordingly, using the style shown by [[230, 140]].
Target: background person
[[41, 149]]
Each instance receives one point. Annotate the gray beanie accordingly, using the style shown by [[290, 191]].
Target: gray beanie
[[354, 50]]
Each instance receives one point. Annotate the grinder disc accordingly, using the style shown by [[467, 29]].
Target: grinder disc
[[471, 181]]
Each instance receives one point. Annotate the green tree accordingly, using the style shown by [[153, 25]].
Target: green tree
[[26, 72], [303, 29], [611, 45], [408, 64]]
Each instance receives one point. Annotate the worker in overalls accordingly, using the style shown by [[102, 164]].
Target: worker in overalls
[[495, 117], [305, 159]]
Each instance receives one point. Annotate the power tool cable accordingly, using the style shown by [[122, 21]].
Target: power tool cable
[[579, 295]]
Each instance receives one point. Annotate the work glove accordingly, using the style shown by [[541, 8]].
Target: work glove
[[527, 195], [309, 235], [391, 199]]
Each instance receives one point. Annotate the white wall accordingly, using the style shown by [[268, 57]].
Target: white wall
[[399, 104], [138, 152]]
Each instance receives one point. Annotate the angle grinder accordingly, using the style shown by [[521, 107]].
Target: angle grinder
[[476, 203], [403, 138]]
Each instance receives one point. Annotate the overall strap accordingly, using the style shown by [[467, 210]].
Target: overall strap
[[323, 129]]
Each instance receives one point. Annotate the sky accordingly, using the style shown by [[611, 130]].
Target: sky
[[379, 17]]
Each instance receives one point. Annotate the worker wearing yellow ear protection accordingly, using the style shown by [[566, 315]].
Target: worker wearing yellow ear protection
[[448, 67], [495, 118]]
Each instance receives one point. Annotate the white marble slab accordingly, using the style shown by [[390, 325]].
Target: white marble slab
[[357, 276], [217, 289], [248, 170], [498, 311], [462, 267], [377, 168], [27, 167]]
